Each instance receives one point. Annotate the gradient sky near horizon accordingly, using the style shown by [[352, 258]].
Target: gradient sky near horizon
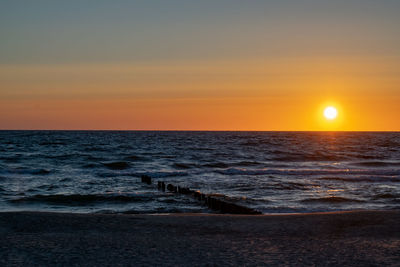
[[199, 65]]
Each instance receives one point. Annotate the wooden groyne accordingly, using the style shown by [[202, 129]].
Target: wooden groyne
[[214, 202]]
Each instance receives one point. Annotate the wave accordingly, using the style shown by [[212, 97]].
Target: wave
[[216, 165], [201, 148], [252, 143], [386, 196], [40, 172], [118, 165], [156, 174], [47, 187], [184, 166], [63, 156], [371, 179], [78, 199], [110, 174], [246, 163], [279, 155], [53, 143], [90, 166], [25, 171], [330, 200], [90, 148], [11, 159], [309, 172], [94, 158], [376, 164], [290, 186], [321, 156], [135, 158], [160, 174]]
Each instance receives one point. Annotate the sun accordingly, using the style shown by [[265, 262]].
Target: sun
[[330, 113]]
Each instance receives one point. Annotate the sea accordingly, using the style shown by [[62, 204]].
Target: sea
[[272, 172]]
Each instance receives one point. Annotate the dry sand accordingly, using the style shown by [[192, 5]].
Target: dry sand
[[368, 238]]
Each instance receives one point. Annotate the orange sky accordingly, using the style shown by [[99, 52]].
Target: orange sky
[[228, 68], [242, 95]]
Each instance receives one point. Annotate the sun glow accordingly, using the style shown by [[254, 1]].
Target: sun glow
[[330, 113]]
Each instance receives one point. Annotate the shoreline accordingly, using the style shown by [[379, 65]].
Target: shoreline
[[200, 214], [355, 238]]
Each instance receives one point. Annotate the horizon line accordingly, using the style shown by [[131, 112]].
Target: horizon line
[[158, 130]]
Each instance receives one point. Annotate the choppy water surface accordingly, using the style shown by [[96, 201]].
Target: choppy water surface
[[274, 172]]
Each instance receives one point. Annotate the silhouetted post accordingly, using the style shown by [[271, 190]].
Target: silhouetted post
[[163, 186], [146, 179]]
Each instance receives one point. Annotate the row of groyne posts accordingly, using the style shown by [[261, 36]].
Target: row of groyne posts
[[217, 203]]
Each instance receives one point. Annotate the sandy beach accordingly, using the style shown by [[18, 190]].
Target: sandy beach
[[359, 238]]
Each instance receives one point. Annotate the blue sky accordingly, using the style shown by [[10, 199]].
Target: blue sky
[[113, 31]]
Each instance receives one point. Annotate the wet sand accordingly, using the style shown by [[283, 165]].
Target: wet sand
[[367, 238]]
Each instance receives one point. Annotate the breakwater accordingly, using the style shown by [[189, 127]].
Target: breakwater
[[215, 202]]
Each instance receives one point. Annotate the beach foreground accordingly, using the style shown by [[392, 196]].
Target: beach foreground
[[359, 238]]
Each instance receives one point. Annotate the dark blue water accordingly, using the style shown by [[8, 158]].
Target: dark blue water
[[96, 171]]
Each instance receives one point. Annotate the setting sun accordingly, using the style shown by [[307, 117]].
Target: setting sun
[[330, 113]]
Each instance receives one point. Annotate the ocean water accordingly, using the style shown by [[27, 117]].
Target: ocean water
[[273, 172]]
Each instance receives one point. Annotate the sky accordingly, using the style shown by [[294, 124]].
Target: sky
[[200, 65]]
